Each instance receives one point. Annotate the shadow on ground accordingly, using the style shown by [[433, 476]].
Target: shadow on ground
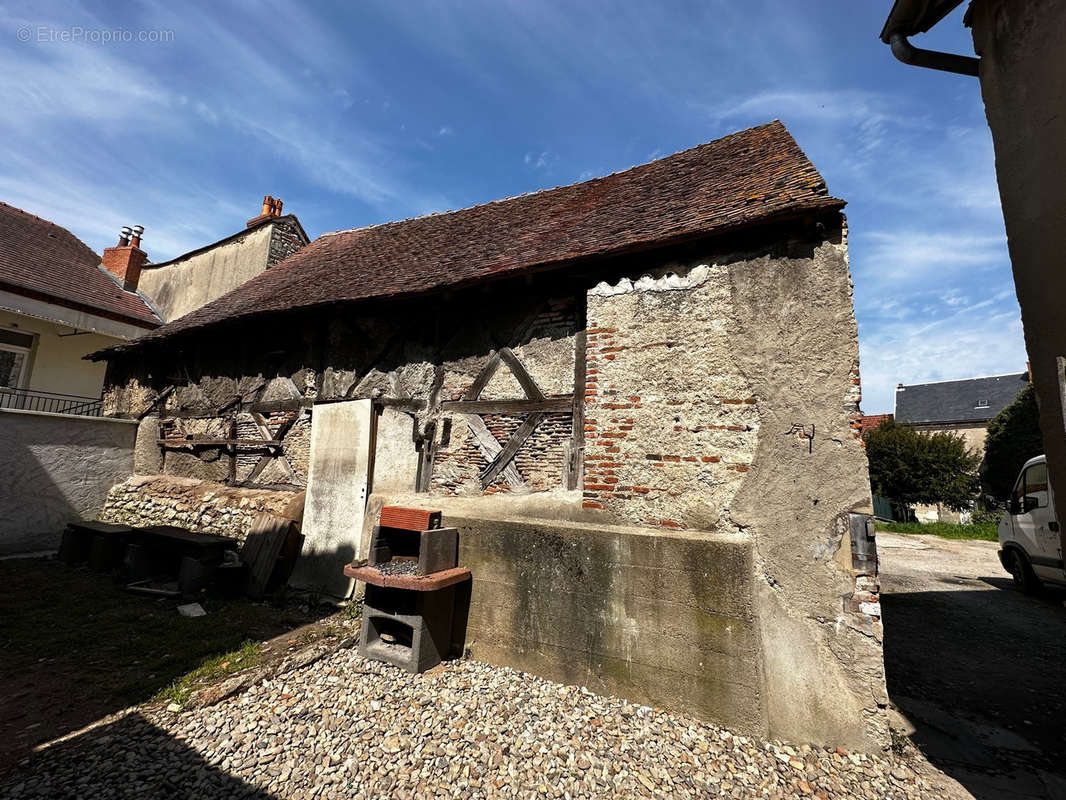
[[980, 670], [77, 647], [127, 758]]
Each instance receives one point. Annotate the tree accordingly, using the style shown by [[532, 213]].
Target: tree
[[1013, 438], [912, 467]]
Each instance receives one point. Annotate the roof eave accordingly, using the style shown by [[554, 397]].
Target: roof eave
[[909, 17], [825, 205]]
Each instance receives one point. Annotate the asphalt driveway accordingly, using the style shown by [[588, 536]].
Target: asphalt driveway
[[976, 669]]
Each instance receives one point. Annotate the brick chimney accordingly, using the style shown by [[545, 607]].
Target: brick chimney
[[125, 260], [271, 209]]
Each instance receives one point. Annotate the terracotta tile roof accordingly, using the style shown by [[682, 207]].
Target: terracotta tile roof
[[871, 421], [42, 260], [744, 178]]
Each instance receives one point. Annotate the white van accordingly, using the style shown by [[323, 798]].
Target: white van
[[1030, 546]]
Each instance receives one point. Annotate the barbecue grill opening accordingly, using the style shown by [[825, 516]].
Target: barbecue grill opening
[[388, 633], [393, 543], [396, 551]]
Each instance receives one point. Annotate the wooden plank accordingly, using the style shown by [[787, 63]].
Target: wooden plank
[[272, 532], [549, 405], [518, 369], [233, 452], [217, 442], [402, 403], [425, 463], [289, 404], [490, 448], [575, 461], [224, 408], [504, 457], [483, 377]]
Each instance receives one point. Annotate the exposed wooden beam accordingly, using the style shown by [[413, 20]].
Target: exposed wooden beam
[[549, 405], [507, 453], [483, 377], [529, 386], [490, 448]]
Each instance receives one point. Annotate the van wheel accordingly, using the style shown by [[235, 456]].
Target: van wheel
[[1022, 573]]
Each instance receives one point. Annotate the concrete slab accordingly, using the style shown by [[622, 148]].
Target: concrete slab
[[336, 495], [395, 456]]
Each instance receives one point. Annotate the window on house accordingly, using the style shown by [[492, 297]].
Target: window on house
[[982, 404], [15, 348]]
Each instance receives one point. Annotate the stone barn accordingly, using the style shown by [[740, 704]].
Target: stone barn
[[636, 397]]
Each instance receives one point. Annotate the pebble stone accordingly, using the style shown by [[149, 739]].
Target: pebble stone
[[345, 727]]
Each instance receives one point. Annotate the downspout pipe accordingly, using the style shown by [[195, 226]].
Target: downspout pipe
[[931, 59]]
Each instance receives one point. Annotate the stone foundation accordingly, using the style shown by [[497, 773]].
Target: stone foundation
[[197, 505]]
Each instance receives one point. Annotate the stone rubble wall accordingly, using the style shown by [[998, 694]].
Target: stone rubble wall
[[197, 505], [285, 239], [671, 423]]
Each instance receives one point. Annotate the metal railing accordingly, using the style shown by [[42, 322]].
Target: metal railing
[[50, 402]]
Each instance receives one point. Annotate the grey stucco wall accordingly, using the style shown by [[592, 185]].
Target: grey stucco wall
[[56, 468], [1022, 62], [796, 343]]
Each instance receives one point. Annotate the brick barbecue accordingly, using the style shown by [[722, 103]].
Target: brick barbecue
[[414, 607]]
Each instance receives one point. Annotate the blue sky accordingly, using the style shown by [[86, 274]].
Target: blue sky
[[359, 112]]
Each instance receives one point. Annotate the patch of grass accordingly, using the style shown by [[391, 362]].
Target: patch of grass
[[948, 530], [211, 670], [353, 610]]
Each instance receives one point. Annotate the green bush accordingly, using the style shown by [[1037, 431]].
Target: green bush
[[1013, 438], [912, 467]]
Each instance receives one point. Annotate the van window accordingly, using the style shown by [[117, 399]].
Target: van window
[[1032, 487]]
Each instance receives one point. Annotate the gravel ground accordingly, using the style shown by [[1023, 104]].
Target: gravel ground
[[347, 727]]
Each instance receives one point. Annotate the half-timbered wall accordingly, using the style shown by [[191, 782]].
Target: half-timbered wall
[[488, 382]]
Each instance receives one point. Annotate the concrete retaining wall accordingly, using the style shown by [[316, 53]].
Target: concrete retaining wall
[[663, 619], [56, 468]]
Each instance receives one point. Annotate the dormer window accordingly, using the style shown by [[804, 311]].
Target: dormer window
[[982, 404]]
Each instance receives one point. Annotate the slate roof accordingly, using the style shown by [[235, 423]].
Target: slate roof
[[754, 176], [958, 401], [39, 259]]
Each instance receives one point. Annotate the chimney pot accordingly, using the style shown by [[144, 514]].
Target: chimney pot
[[271, 209], [125, 260], [899, 386]]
